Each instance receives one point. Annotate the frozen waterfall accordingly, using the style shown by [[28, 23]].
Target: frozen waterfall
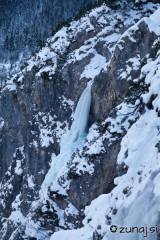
[[79, 126], [74, 139]]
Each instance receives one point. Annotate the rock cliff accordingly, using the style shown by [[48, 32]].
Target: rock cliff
[[116, 51]]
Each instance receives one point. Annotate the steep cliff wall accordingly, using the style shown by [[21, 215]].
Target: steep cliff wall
[[111, 50]]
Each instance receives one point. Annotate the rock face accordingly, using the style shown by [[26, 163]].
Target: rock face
[[112, 87], [108, 47]]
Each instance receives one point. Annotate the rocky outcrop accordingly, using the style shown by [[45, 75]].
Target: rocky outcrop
[[112, 86]]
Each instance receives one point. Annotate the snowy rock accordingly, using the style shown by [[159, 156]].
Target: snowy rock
[[71, 140]]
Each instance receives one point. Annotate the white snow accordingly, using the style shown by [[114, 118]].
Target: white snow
[[112, 38], [71, 210], [94, 67], [18, 168], [82, 234], [135, 62], [69, 102], [45, 137], [30, 180], [17, 217]]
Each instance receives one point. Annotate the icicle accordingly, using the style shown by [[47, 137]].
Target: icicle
[[73, 140]]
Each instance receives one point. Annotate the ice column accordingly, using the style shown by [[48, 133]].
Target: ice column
[[73, 140], [79, 126]]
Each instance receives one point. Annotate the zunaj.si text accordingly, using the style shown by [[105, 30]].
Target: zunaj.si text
[[145, 230]]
